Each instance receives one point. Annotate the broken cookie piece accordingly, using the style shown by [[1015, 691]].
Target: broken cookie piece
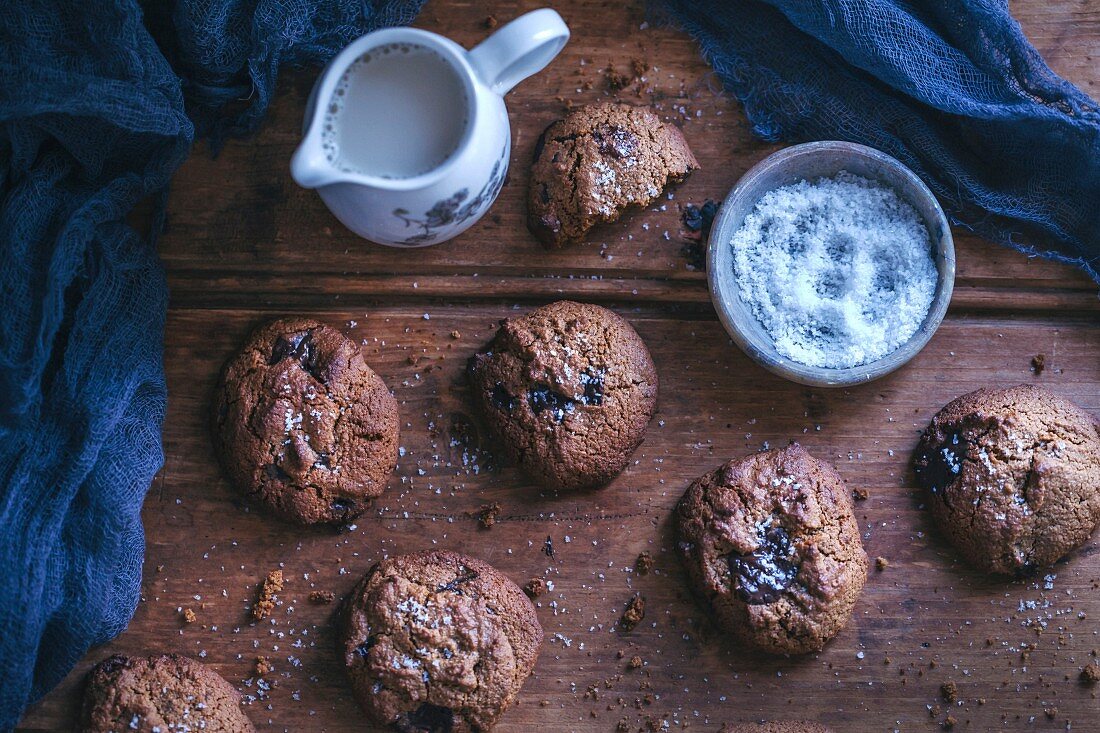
[[595, 163]]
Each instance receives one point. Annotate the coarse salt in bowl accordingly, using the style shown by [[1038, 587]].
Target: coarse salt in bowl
[[831, 263]]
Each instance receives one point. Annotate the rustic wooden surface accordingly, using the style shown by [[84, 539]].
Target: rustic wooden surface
[[246, 244]]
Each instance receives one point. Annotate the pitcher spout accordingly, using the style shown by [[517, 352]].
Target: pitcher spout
[[310, 167]]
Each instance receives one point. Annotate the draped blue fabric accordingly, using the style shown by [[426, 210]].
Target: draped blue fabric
[[94, 120], [952, 89]]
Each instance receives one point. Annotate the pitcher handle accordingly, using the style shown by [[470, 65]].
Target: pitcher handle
[[519, 49]]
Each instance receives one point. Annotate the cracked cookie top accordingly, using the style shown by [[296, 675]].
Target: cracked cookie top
[[303, 425], [165, 693], [438, 642], [569, 388], [596, 162], [1013, 477], [770, 541]]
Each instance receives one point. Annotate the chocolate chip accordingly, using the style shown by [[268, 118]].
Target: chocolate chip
[[938, 466], [699, 218], [542, 397], [342, 506], [364, 649], [502, 399], [275, 472], [301, 347], [593, 389], [453, 586], [615, 141], [427, 718], [762, 575]]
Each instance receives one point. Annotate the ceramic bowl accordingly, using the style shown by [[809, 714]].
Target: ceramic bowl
[[809, 162]]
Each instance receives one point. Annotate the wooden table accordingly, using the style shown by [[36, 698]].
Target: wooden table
[[245, 244]]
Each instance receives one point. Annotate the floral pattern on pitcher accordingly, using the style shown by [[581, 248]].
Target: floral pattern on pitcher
[[454, 209]]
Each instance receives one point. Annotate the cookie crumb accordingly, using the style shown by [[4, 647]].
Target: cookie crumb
[[644, 563], [321, 597], [535, 587], [881, 563], [615, 80], [860, 494], [950, 691], [188, 616], [487, 515], [263, 668], [1038, 363], [949, 722], [635, 662], [634, 613], [265, 603], [1091, 673], [456, 335], [491, 22]]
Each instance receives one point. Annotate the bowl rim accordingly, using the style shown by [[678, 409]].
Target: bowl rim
[[724, 285]]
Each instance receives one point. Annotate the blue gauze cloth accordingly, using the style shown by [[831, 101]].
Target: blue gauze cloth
[[951, 89], [92, 122]]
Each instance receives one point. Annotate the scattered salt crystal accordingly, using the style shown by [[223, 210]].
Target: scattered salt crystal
[[839, 272]]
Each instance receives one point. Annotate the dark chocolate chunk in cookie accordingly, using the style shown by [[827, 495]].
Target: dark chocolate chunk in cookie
[[938, 465], [427, 718], [586, 390], [595, 163], [762, 575], [771, 543], [303, 425]]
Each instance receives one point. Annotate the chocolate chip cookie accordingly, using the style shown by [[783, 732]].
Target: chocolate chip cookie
[[595, 163], [438, 642], [165, 693], [569, 388], [303, 425], [771, 543], [1013, 477]]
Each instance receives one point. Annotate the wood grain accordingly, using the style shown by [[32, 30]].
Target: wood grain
[[240, 228], [245, 245]]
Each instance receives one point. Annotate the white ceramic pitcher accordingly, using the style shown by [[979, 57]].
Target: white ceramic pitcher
[[439, 204]]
